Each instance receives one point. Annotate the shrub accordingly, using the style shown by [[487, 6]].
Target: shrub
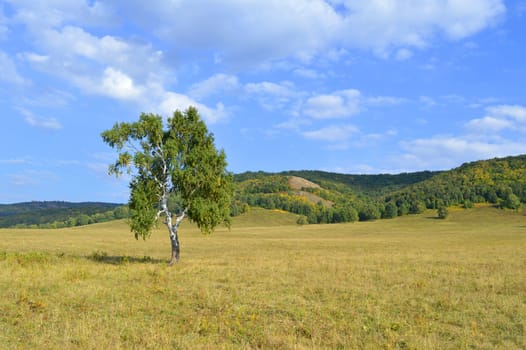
[[442, 212]]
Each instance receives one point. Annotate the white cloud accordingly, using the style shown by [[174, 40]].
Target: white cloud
[[514, 111], [427, 101], [403, 54], [54, 13], [272, 96], [4, 30], [336, 133], [74, 51], [309, 73], [267, 88], [116, 84], [230, 31], [15, 161], [382, 25], [512, 117], [244, 32], [34, 57], [40, 122], [488, 124], [171, 101], [384, 101], [445, 152], [340, 104], [217, 83], [303, 29], [9, 71], [485, 138]]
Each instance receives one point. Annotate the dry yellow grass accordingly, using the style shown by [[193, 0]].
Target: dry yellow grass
[[409, 283]]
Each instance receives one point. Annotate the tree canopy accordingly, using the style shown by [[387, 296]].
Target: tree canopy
[[182, 160]]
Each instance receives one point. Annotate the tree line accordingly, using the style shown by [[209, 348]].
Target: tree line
[[57, 214]]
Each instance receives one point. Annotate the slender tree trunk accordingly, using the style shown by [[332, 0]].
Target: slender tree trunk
[[172, 229], [174, 240]]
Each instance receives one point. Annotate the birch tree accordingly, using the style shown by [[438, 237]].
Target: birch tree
[[182, 160]]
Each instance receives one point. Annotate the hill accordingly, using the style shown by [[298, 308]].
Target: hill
[[324, 197], [499, 181], [57, 214]]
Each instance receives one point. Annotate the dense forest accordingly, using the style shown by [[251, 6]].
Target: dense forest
[[324, 197]]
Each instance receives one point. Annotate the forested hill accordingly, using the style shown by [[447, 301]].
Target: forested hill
[[499, 181], [56, 214], [341, 198]]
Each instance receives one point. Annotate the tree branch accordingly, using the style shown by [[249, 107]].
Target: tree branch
[[179, 219]]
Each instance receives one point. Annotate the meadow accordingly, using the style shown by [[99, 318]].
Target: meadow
[[413, 282]]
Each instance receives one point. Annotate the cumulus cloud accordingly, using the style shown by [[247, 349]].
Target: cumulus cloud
[[117, 84], [245, 32], [303, 29], [382, 25]]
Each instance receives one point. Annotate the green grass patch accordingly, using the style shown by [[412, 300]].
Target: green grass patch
[[408, 283]]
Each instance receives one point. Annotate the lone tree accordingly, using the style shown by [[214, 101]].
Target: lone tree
[[181, 160]]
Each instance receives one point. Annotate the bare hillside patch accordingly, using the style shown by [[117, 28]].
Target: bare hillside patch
[[298, 183]]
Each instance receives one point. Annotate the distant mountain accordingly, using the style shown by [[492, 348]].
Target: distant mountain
[[56, 214]]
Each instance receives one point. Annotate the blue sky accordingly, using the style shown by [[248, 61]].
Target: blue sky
[[351, 86]]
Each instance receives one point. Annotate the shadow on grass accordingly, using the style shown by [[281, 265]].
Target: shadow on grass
[[103, 257], [434, 218]]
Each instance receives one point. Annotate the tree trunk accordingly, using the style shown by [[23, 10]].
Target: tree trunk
[[174, 239], [173, 230]]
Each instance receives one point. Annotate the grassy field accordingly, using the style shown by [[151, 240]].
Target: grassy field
[[409, 283]]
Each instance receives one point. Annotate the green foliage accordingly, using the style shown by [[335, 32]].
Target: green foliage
[[182, 160], [442, 212], [390, 211], [511, 201], [302, 220], [489, 181], [143, 203]]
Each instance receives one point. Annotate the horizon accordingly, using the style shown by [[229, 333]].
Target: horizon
[[257, 171], [342, 86]]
